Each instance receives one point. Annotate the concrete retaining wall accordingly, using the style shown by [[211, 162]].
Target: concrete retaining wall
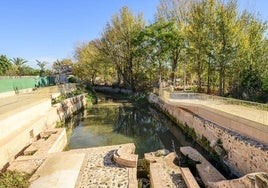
[[22, 128], [244, 155]]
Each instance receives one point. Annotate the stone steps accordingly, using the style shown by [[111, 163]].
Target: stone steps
[[39, 150]]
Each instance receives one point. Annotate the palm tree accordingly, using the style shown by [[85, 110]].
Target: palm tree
[[42, 65], [18, 63]]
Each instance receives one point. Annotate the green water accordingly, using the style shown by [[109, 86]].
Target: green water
[[119, 122], [114, 122]]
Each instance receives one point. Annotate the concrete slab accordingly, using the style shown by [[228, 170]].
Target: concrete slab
[[206, 171], [58, 171], [189, 178], [27, 164], [163, 172]]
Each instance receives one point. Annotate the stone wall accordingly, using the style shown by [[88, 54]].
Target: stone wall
[[242, 154], [21, 129], [69, 106]]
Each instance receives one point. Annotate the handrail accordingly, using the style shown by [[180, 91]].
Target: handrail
[[202, 96]]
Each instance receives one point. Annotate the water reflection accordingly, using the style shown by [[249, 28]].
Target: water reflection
[[119, 122]]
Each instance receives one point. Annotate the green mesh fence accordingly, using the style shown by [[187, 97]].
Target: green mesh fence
[[15, 84]]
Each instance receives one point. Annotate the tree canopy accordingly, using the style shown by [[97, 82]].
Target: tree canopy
[[213, 46]]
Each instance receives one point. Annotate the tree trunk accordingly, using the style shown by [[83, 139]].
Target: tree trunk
[[199, 72], [174, 66], [221, 82], [199, 80], [208, 81]]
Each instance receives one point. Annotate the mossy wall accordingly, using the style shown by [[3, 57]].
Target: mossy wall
[[242, 154]]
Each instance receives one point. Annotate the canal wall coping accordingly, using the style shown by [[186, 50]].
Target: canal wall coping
[[242, 154], [247, 127]]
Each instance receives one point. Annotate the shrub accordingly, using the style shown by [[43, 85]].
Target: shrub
[[11, 179]]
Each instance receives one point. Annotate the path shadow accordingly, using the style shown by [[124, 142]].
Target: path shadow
[[177, 180], [109, 161]]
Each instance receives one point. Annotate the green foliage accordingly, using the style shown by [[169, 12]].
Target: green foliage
[[5, 65], [72, 79], [205, 142], [42, 66], [12, 179], [209, 43], [140, 98], [219, 142], [163, 42], [118, 47], [63, 66], [19, 64], [62, 97], [190, 132]]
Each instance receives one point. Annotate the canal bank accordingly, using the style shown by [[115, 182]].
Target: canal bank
[[24, 117], [242, 154]]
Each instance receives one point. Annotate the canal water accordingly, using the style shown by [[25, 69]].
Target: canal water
[[113, 122]]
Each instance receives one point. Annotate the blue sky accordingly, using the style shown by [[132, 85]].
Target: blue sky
[[47, 30]]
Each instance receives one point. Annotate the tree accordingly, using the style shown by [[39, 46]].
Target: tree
[[196, 36], [213, 36], [42, 66], [63, 66], [163, 43], [29, 71], [226, 41], [5, 65], [118, 45], [173, 10], [250, 64], [19, 63], [90, 64]]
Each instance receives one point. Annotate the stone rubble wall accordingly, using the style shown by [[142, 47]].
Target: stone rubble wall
[[244, 155], [22, 128], [258, 180], [69, 106], [230, 121]]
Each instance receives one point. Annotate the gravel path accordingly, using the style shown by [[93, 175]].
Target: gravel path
[[99, 170]]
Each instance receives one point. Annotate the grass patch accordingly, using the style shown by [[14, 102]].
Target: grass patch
[[14, 179]]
